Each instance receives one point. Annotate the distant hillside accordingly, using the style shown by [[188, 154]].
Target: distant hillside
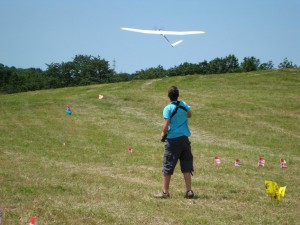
[[76, 169]]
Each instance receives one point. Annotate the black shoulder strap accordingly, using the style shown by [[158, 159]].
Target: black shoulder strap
[[177, 107]]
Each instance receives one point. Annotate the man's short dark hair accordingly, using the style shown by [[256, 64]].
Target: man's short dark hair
[[173, 93]]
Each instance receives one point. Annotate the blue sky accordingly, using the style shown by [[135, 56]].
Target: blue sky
[[39, 32]]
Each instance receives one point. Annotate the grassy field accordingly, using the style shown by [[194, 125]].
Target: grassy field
[[77, 169]]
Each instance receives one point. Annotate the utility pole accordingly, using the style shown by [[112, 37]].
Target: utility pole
[[114, 66]]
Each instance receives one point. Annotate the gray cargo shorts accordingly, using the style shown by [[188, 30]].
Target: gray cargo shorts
[[178, 148]]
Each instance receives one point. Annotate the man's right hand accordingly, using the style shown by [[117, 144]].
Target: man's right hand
[[163, 139]]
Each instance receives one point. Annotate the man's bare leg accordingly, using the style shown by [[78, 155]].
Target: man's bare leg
[[188, 181], [166, 183]]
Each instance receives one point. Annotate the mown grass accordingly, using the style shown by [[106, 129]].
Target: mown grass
[[77, 169]]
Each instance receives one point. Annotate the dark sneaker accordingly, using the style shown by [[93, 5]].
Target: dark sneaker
[[189, 194], [162, 195]]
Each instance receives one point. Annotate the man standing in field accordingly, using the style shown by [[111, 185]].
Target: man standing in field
[[177, 145]]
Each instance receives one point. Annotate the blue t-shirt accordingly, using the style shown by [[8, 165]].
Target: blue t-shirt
[[179, 123]]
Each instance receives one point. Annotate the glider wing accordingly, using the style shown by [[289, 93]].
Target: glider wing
[[163, 32]]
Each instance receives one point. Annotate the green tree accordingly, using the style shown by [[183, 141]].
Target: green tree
[[231, 64], [173, 71], [91, 70], [285, 64], [216, 66], [54, 76], [119, 77], [250, 64], [14, 84], [5, 75], [33, 79], [83, 70], [266, 66], [150, 73], [188, 68], [203, 67]]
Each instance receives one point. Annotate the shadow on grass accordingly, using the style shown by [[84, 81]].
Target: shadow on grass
[[201, 197]]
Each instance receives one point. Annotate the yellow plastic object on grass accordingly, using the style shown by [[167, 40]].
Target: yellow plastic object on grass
[[274, 191]]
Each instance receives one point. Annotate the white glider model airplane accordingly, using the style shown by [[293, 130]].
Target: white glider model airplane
[[165, 32]]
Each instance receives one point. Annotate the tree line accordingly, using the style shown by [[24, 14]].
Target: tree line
[[87, 70]]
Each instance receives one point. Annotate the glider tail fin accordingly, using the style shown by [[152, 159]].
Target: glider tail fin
[[172, 44], [176, 43]]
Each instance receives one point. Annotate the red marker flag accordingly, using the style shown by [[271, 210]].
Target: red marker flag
[[217, 160], [237, 162], [33, 221], [283, 164], [261, 162]]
